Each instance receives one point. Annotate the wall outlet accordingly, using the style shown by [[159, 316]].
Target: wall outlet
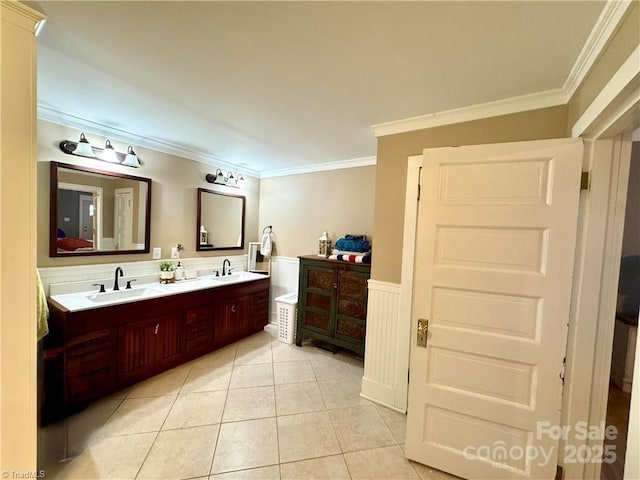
[[174, 252], [157, 253]]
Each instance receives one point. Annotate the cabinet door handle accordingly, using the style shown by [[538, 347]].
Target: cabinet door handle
[[157, 327], [335, 285], [233, 308]]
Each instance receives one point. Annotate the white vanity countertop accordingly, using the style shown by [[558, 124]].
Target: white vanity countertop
[[74, 302]]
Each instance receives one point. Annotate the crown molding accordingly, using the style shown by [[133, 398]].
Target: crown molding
[[24, 10], [626, 77], [549, 98], [55, 116], [612, 13], [610, 17], [320, 167]]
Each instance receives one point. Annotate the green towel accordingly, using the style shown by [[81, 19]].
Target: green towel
[[43, 309]]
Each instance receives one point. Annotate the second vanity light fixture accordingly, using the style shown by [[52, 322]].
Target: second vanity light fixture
[[228, 180], [83, 148]]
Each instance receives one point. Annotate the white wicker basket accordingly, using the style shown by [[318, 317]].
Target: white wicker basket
[[286, 306]]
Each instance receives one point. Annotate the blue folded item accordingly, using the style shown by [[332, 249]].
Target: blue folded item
[[360, 245]]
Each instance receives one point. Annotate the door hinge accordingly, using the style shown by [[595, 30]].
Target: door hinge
[[419, 179], [585, 181], [564, 364]]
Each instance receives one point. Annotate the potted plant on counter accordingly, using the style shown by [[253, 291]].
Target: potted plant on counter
[[166, 271]]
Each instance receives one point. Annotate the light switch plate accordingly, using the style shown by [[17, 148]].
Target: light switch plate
[[157, 253], [174, 252]]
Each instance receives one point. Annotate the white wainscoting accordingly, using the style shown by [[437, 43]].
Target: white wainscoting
[[284, 279], [380, 382]]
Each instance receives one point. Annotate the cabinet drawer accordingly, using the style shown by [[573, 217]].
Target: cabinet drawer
[[199, 345], [203, 314], [197, 329], [262, 296], [91, 342], [91, 362], [81, 388]]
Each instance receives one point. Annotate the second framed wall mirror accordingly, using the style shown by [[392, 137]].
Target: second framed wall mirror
[[220, 221], [258, 263]]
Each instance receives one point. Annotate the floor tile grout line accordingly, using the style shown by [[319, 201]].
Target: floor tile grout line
[[84, 447], [226, 396], [308, 359], [275, 403], [162, 425], [215, 447]]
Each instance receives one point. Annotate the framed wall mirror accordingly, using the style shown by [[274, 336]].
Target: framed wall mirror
[[220, 221], [257, 262], [93, 212]]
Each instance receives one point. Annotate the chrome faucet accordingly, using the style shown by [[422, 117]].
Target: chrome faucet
[[224, 264], [115, 282]]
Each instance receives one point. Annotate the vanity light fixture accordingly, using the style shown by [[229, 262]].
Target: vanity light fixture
[[109, 154], [83, 148], [240, 181], [227, 180], [131, 159]]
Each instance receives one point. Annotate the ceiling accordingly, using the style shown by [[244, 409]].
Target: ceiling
[[267, 86]]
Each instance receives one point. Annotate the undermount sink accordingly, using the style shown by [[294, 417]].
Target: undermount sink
[[238, 277], [119, 295]]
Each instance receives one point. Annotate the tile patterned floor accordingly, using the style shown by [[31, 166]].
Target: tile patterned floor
[[257, 409]]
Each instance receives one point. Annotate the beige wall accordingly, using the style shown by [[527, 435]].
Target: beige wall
[[173, 197], [393, 151], [622, 43], [301, 207]]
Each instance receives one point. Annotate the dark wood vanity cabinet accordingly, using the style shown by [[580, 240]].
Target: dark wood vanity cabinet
[[199, 331], [332, 302], [241, 316], [91, 364], [150, 345], [91, 353]]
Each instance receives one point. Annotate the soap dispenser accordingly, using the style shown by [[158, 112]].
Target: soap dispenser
[[178, 273]]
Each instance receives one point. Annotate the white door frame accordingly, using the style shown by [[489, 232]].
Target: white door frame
[[590, 334], [606, 127]]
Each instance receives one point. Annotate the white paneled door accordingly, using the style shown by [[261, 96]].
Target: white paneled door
[[123, 218], [493, 273]]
